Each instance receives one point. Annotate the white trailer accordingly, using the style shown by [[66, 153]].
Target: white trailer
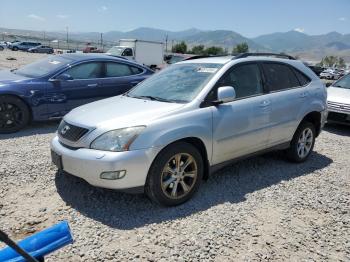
[[148, 53]]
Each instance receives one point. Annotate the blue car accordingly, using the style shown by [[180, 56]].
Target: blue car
[[51, 87]]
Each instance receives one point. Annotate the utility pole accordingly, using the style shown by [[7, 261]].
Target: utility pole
[[166, 43], [67, 38], [102, 41], [44, 38]]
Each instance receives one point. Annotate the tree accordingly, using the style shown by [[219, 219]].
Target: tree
[[240, 48], [180, 48], [214, 50], [198, 50], [333, 61], [341, 63]]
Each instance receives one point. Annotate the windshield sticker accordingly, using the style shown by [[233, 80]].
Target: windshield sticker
[[55, 62], [207, 70]]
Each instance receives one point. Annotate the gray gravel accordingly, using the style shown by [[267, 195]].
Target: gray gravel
[[260, 209]]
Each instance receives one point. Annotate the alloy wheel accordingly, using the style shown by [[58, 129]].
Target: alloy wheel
[[305, 142], [10, 116], [179, 175]]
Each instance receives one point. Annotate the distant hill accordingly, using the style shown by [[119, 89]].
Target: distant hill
[[293, 42]]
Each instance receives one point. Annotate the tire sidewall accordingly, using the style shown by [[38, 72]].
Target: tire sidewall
[[153, 185], [293, 151]]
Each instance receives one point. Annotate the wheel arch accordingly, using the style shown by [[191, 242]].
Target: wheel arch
[[313, 117]]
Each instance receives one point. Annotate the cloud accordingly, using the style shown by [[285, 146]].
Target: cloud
[[62, 16], [300, 30], [343, 19], [36, 17], [103, 8]]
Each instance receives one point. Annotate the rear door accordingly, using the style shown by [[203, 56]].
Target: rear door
[[288, 95], [118, 78], [241, 127]]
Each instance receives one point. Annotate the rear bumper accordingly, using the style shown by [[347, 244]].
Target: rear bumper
[[88, 164]]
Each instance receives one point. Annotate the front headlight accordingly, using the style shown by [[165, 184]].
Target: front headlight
[[117, 140]]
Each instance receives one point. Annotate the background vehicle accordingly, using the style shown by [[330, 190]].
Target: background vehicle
[[339, 101], [2, 46], [147, 53], [331, 74], [194, 117], [41, 49], [24, 46], [51, 87], [92, 49]]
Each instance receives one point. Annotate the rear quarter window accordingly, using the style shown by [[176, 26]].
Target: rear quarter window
[[303, 79], [279, 76]]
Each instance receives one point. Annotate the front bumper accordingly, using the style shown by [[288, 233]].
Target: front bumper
[[338, 112], [88, 164]]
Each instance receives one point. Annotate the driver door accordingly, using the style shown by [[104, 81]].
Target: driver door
[[240, 126], [79, 86]]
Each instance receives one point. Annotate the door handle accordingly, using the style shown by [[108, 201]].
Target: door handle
[[265, 103], [92, 85]]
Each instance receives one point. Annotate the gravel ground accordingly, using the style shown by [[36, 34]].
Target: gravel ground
[[21, 58], [260, 209]]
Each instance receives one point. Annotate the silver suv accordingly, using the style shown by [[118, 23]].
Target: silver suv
[[171, 131]]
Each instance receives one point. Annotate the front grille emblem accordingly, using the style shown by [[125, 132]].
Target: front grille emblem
[[65, 129]]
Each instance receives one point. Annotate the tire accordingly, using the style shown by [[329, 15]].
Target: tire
[[15, 49], [14, 114], [301, 148], [2, 48], [161, 184]]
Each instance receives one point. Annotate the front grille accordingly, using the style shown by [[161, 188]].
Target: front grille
[[71, 132], [338, 107]]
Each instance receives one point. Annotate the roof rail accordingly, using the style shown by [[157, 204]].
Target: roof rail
[[202, 56], [244, 55]]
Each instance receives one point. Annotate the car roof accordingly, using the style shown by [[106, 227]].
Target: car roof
[[97, 56]]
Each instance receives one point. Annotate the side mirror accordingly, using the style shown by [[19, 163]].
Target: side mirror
[[225, 94], [63, 77]]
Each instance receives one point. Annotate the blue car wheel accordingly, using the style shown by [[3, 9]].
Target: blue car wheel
[[14, 114]]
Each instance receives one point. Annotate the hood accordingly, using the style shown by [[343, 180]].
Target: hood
[[6, 76], [338, 95], [119, 112]]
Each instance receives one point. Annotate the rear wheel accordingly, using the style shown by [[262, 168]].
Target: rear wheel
[[14, 114], [175, 175], [15, 49], [303, 142]]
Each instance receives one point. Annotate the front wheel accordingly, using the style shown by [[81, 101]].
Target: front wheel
[[175, 174], [14, 114], [302, 143]]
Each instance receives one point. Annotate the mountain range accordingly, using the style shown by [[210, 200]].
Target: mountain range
[[293, 42]]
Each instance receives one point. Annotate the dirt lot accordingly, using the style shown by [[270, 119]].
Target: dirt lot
[[261, 209], [21, 58]]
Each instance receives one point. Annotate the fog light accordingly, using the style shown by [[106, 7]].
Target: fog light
[[113, 175]]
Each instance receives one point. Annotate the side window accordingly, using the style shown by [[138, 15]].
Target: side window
[[279, 77], [86, 71], [304, 80], [127, 52], [135, 70], [246, 79], [117, 70]]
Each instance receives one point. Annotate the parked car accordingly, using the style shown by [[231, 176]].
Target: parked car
[[317, 69], [331, 74], [91, 49], [24, 46], [2, 46], [51, 87], [41, 49], [339, 101], [168, 133]]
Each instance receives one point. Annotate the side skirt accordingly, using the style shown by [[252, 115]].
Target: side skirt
[[213, 169]]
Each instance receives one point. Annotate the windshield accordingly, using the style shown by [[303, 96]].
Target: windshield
[[42, 67], [116, 50], [179, 83], [343, 82]]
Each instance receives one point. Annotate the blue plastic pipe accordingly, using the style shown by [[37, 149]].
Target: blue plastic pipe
[[40, 244]]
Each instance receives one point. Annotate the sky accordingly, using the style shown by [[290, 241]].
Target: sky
[[247, 17]]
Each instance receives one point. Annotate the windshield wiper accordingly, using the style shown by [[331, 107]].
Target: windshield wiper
[[154, 98]]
